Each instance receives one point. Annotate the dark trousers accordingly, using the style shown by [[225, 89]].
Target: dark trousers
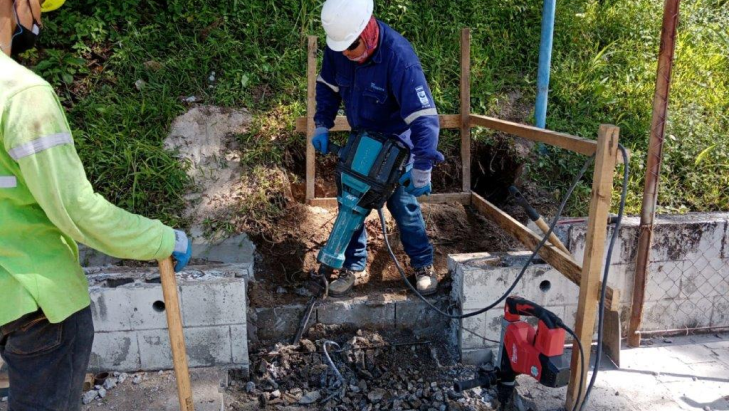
[[47, 362]]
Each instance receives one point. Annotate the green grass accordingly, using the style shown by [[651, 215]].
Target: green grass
[[604, 66]]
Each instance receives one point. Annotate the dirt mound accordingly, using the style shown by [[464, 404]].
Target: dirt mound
[[205, 138], [288, 253]]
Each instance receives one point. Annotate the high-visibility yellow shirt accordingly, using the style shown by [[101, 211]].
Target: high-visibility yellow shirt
[[47, 204]]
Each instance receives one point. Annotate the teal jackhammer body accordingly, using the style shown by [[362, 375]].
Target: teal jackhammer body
[[368, 173]]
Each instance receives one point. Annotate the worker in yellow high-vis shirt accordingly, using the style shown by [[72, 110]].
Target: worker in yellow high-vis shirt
[[46, 205]]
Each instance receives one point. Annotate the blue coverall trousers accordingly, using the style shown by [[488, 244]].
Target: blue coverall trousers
[[405, 209]]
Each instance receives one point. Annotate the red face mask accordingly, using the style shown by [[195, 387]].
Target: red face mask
[[371, 37]]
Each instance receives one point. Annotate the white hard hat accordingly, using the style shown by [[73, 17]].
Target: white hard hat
[[344, 21]]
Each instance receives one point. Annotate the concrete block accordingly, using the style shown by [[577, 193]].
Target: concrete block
[[474, 331], [415, 315], [472, 259], [128, 308], [357, 312], [483, 284], [277, 323], [239, 344], [208, 303], [115, 351], [478, 356], [206, 346]]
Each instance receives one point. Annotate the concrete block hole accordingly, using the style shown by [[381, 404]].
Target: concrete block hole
[[545, 286], [158, 306]]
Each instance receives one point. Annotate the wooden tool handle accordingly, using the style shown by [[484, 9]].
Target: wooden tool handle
[[177, 338], [552, 237]]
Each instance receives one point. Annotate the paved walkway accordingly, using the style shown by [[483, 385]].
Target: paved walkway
[[676, 373]]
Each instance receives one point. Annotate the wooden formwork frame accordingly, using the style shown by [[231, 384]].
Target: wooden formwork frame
[[605, 148]]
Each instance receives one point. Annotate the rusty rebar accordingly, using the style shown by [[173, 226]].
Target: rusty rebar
[[653, 168]]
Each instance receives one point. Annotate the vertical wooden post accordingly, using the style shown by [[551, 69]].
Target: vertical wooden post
[[602, 185], [177, 338], [466, 108], [310, 111], [653, 166]]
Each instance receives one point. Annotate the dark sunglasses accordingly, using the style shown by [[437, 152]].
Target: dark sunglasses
[[355, 44]]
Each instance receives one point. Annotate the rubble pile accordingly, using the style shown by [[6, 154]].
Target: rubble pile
[[98, 392], [372, 374]]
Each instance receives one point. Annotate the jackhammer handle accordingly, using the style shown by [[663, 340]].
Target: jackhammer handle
[[522, 306], [531, 212], [480, 381]]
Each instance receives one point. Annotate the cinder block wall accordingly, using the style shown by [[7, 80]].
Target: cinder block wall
[[131, 324], [688, 279]]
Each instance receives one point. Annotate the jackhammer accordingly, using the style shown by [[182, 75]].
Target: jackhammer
[[369, 170]]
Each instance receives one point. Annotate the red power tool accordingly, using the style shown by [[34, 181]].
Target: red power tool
[[525, 350]]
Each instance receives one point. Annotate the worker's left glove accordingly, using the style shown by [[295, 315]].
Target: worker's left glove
[[416, 182], [321, 140], [183, 250]]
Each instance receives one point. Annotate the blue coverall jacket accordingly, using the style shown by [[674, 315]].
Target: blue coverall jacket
[[387, 94]]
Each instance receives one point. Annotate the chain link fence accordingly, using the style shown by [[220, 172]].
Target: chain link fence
[[687, 287]]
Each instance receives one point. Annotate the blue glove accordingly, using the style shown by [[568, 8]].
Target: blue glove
[[416, 182], [321, 140], [183, 250]]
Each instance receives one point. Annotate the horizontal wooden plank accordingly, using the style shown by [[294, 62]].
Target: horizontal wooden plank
[[438, 198], [340, 123], [564, 263], [563, 140]]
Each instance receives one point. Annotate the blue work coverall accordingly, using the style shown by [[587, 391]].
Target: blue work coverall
[[387, 94]]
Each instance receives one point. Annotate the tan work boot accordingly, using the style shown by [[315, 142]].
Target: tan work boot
[[426, 280], [343, 284]]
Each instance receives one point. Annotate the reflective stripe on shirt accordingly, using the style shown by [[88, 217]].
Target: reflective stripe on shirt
[[321, 80], [8, 182], [420, 113], [40, 144]]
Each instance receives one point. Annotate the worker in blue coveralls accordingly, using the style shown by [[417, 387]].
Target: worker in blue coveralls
[[375, 71]]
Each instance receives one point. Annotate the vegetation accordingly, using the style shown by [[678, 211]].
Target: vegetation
[[124, 70]]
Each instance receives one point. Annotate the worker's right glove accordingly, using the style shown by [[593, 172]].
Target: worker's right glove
[[183, 250], [417, 182], [321, 140]]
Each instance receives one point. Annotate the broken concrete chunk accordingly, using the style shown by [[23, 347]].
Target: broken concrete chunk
[[89, 396], [376, 395], [310, 398], [109, 383], [102, 392], [137, 379], [250, 387]]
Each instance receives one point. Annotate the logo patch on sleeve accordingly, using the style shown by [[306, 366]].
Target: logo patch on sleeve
[[422, 96]]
